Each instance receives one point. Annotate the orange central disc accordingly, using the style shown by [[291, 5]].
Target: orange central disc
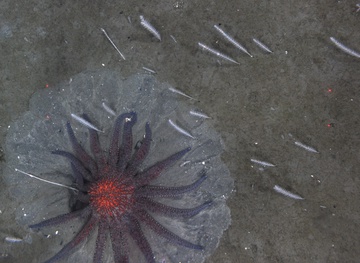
[[111, 196]]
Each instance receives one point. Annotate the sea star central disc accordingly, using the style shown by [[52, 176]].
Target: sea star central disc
[[111, 195]]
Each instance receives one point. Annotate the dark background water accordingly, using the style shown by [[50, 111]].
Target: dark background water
[[254, 105]]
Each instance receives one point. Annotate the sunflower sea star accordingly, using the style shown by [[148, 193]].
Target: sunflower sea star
[[115, 196]]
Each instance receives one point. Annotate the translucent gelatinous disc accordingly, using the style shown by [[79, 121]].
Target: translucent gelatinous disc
[[42, 129]]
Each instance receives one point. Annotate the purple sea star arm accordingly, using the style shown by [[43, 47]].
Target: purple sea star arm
[[163, 232], [141, 153], [119, 244], [163, 191], [79, 151], [140, 239], [114, 147], [95, 146], [127, 142], [154, 171], [80, 237], [152, 206], [61, 219], [100, 240], [75, 162]]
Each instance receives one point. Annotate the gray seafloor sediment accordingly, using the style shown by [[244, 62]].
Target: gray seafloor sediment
[[41, 130]]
